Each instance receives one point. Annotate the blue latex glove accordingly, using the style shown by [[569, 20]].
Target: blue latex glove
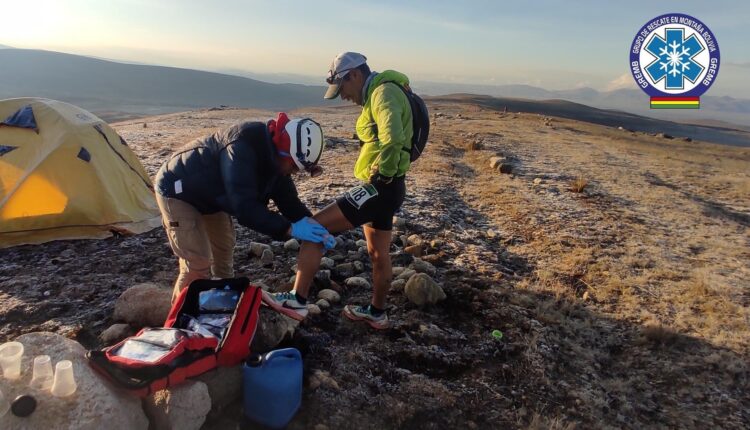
[[329, 242], [308, 229]]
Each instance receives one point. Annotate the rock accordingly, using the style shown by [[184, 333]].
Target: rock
[[406, 274], [183, 407], [422, 290], [224, 386], [434, 259], [266, 259], [362, 250], [495, 162], [415, 250], [414, 239], [94, 402], [340, 242], [360, 243], [423, 267], [398, 285], [397, 271], [404, 240], [321, 378], [313, 309], [357, 282], [272, 329], [116, 333], [401, 258], [330, 295], [505, 168], [144, 305], [327, 263], [257, 248], [538, 181], [323, 278], [291, 245], [399, 222], [344, 270], [323, 304], [359, 267], [292, 279], [491, 233], [436, 243]]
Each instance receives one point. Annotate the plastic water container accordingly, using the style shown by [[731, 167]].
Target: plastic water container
[[272, 387]]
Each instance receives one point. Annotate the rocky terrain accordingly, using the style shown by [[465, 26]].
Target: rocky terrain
[[615, 264]]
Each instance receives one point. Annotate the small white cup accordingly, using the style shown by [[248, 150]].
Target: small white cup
[[43, 376], [4, 404], [64, 383], [10, 359]]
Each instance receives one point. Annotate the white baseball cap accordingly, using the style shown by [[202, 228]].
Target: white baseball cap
[[340, 66]]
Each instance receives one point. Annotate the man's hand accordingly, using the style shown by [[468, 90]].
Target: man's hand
[[309, 230], [329, 242]]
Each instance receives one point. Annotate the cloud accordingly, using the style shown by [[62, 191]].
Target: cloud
[[623, 81]]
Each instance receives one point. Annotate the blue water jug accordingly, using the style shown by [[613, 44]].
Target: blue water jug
[[272, 387]]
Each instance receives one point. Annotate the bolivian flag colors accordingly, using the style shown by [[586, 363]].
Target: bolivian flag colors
[[675, 103]]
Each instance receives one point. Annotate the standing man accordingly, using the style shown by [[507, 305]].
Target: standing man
[[235, 172], [385, 129]]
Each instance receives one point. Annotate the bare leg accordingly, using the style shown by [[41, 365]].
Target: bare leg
[[378, 246], [308, 260]]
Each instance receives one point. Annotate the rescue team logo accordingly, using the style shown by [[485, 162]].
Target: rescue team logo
[[674, 58]]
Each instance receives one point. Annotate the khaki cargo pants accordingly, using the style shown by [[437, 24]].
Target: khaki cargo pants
[[203, 243]]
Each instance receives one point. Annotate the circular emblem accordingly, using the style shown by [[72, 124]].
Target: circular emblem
[[674, 55]]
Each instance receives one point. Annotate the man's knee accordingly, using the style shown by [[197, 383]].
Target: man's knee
[[380, 260]]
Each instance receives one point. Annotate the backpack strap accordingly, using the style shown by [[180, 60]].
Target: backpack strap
[[411, 106]]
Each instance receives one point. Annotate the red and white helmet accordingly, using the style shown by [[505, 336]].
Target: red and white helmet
[[306, 142]]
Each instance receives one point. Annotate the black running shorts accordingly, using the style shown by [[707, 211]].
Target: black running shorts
[[373, 204]]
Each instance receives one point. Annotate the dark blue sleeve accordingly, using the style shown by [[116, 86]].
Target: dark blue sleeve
[[239, 171], [285, 196]]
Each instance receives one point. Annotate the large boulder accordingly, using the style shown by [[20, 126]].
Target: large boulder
[[422, 290], [95, 405], [224, 386], [183, 407], [116, 333], [144, 305]]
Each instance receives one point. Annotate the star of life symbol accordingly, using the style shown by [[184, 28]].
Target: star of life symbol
[[674, 58]]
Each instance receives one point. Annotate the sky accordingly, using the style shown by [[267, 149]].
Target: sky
[[553, 44]]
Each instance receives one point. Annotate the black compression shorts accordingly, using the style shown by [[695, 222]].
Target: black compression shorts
[[373, 204]]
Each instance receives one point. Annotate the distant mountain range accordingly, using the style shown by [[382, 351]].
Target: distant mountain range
[[120, 89], [101, 85], [722, 109], [611, 118]]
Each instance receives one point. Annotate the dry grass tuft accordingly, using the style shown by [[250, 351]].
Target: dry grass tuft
[[578, 185]]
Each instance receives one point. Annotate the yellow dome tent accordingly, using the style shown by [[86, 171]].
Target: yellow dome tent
[[65, 174]]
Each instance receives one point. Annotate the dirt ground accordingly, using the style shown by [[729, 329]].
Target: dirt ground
[[615, 263]]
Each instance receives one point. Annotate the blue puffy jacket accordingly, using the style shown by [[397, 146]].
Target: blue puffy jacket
[[235, 171]]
